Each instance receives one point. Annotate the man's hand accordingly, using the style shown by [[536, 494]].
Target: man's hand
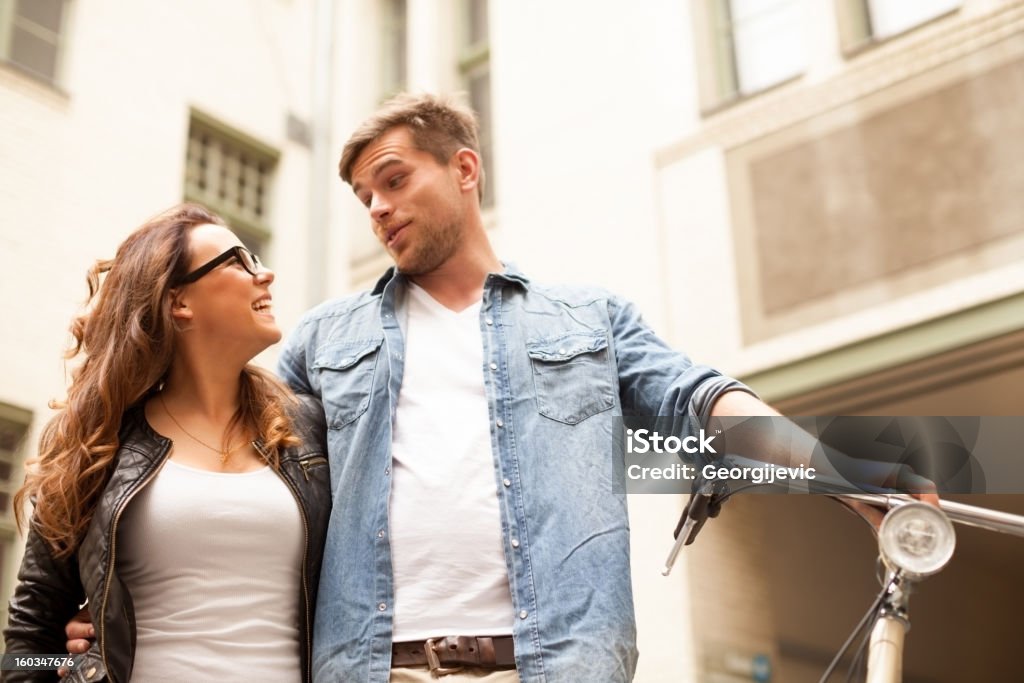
[[869, 513], [919, 488], [80, 634], [742, 404]]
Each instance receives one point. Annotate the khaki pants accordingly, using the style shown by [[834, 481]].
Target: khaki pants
[[421, 674]]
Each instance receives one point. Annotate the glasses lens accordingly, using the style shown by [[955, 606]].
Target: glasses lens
[[249, 260]]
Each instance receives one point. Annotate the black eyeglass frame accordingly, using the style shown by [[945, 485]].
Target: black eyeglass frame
[[237, 252]]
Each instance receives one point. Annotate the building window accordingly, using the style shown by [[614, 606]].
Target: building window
[[752, 45], [232, 174], [14, 424], [31, 35], [475, 74], [394, 41], [863, 22]]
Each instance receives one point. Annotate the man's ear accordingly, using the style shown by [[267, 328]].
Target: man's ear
[[467, 162], [179, 307]]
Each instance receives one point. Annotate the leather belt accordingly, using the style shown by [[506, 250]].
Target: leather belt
[[444, 655]]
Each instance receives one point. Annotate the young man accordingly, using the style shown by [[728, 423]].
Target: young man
[[474, 532], [470, 413]]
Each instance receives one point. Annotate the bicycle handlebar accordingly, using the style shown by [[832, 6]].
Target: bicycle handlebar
[[971, 515]]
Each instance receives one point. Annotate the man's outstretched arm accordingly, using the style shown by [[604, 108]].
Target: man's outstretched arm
[[796, 447]]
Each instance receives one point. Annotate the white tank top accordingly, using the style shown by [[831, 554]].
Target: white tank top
[[212, 561]]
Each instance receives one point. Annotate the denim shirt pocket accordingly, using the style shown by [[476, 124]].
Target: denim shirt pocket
[[571, 375], [345, 374]]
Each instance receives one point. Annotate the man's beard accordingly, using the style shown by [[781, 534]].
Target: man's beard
[[429, 252]]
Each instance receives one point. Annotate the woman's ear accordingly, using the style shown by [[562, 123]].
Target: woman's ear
[[179, 307]]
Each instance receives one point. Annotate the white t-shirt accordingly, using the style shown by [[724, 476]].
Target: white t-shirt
[[449, 566], [212, 561]]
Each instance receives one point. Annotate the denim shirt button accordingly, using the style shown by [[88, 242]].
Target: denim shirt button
[[506, 482], [515, 543], [500, 423], [382, 606], [494, 366], [523, 614], [489, 321], [387, 470], [380, 534], [561, 351]]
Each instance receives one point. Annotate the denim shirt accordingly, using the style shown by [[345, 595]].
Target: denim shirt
[[559, 364]]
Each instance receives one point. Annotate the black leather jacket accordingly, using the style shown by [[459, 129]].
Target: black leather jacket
[[50, 591]]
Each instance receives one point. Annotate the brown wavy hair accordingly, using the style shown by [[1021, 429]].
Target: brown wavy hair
[[126, 335]]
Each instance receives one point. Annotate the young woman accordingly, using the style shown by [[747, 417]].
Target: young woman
[[180, 491]]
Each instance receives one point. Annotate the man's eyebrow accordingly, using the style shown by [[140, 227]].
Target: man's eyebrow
[[377, 169]]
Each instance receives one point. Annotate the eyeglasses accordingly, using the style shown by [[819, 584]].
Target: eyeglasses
[[248, 260]]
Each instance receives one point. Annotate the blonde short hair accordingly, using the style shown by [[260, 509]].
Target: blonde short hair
[[440, 126]]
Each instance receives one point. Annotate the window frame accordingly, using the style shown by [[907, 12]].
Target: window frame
[[394, 31], [719, 82], [22, 418], [255, 233], [473, 60], [10, 19], [856, 30]]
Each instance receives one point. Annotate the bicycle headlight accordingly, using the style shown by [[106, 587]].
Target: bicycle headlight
[[917, 539]]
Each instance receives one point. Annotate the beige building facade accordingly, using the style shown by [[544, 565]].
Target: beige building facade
[[869, 201], [818, 196]]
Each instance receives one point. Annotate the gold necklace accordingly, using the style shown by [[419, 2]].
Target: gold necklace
[[224, 455]]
